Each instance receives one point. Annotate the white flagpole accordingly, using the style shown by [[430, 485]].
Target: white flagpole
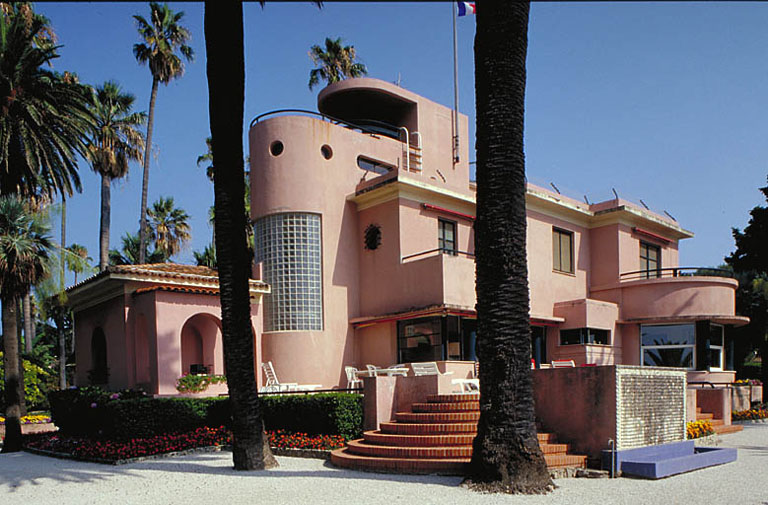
[[455, 89]]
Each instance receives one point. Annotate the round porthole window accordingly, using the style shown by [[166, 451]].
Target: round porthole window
[[326, 151], [372, 237], [276, 148]]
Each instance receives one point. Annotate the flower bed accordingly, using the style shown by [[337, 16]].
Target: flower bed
[[113, 451], [751, 414], [697, 429], [31, 419]]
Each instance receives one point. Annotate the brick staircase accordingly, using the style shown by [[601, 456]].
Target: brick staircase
[[717, 424], [435, 437]]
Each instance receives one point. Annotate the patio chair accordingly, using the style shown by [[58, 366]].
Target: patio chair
[[563, 363], [372, 370], [467, 385], [273, 385], [427, 368], [353, 380]]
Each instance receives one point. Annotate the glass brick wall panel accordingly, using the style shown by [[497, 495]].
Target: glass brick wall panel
[[289, 247]]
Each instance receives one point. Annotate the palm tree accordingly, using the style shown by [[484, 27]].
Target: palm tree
[[44, 117], [116, 142], [129, 253], [162, 37], [335, 63], [506, 454], [207, 158], [77, 259], [24, 251], [207, 258], [168, 226]]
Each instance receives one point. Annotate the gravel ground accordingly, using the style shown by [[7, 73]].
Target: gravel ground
[[208, 478]]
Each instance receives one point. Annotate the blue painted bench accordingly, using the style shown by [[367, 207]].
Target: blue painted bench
[[658, 461]]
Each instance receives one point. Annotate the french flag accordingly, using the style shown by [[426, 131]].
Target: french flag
[[466, 8]]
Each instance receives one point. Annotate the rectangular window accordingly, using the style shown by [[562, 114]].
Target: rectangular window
[[650, 260], [577, 336], [716, 340], [562, 250], [671, 345], [446, 236]]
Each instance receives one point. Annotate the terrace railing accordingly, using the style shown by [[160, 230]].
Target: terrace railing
[[661, 273]]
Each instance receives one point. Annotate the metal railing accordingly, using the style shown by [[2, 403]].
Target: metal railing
[[370, 126], [443, 250], [347, 390], [661, 273]]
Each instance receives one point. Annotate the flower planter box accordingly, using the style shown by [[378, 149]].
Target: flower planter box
[[742, 396]]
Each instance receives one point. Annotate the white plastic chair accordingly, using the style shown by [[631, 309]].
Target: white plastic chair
[[352, 379], [427, 368], [273, 385], [563, 363]]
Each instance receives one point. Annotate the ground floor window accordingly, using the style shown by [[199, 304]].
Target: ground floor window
[[575, 336], [671, 345], [436, 339], [539, 345]]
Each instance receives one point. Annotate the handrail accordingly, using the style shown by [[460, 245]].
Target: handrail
[[347, 390], [330, 119], [446, 251], [703, 383], [407, 149], [675, 272]]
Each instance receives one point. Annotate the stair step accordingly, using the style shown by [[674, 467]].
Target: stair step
[[727, 428], [446, 407], [363, 448], [716, 422], [555, 448], [428, 429], [345, 459], [565, 460], [454, 397], [437, 417], [378, 437], [547, 438], [704, 415]]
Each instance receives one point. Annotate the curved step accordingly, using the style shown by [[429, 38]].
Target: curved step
[[377, 437], [454, 397], [565, 460], [437, 417], [554, 448], [428, 429], [345, 459], [446, 407], [362, 448]]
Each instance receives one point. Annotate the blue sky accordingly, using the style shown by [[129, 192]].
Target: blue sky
[[664, 102]]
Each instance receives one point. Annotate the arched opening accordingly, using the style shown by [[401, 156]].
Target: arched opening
[[99, 372], [201, 346]]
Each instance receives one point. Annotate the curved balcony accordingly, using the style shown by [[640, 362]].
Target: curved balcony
[[679, 293]]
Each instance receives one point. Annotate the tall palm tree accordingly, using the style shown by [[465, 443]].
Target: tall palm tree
[[207, 157], [24, 250], [335, 63], [506, 454], [77, 260], [162, 38], [44, 116], [129, 252], [115, 143], [169, 226], [206, 258]]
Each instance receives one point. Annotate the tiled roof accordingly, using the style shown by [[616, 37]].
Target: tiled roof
[[178, 289], [164, 269]]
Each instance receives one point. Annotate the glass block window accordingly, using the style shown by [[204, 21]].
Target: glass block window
[[289, 247]]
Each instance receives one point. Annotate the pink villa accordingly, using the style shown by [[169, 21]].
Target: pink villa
[[365, 255]]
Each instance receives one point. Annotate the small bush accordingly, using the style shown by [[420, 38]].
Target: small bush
[[697, 429], [37, 383], [93, 412]]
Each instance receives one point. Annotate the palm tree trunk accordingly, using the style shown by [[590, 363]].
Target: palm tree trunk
[[506, 454], [145, 181], [13, 377], [29, 334], [19, 347], [105, 220], [226, 80], [62, 336]]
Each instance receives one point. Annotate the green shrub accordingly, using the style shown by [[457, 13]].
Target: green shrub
[[93, 412], [37, 383]]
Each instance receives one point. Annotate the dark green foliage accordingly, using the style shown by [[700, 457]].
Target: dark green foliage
[[133, 416]]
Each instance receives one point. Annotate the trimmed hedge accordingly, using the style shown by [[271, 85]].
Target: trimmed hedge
[[96, 413]]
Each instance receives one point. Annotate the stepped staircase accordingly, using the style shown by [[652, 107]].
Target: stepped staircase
[[435, 437], [717, 424]]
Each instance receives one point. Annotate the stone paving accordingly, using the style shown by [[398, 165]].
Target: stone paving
[[208, 478]]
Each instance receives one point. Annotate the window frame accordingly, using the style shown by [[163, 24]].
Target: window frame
[[720, 348], [557, 262], [586, 336], [441, 241], [670, 346], [646, 271]]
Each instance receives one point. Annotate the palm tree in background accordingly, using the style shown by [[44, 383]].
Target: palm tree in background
[[162, 38], [24, 251], [207, 157], [129, 252], [506, 455], [206, 258], [77, 260], [115, 143], [335, 63], [44, 116], [169, 226]]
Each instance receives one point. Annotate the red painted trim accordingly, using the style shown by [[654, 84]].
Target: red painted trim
[[646, 233], [427, 206]]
